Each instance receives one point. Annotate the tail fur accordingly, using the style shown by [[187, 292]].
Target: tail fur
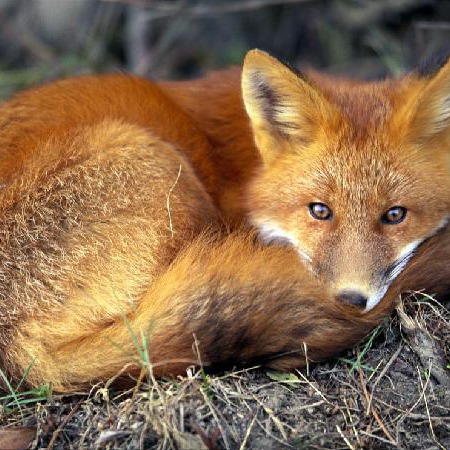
[[223, 301]]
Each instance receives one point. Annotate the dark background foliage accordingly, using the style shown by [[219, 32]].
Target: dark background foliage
[[44, 39]]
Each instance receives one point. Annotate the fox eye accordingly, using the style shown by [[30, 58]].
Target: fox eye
[[320, 211], [394, 215]]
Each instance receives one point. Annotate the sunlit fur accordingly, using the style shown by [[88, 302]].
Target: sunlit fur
[[125, 209], [358, 148]]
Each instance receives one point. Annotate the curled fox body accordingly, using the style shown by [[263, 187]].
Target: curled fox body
[[115, 192]]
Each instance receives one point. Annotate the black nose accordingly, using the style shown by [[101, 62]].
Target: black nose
[[354, 298]]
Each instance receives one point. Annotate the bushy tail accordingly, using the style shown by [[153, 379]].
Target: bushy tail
[[222, 302]]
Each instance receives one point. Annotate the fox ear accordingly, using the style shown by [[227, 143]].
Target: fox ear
[[284, 108], [432, 113]]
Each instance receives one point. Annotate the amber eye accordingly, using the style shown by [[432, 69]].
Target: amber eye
[[394, 215], [320, 211]]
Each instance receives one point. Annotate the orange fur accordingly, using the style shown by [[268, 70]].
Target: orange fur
[[118, 196]]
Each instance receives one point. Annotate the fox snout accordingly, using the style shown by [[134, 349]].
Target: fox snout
[[366, 283]]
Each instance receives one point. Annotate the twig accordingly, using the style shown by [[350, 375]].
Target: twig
[[142, 436], [121, 372], [296, 409], [168, 200], [427, 417], [382, 373], [373, 410], [374, 436], [63, 424], [305, 349], [216, 417], [424, 387], [315, 389], [350, 446], [428, 374], [247, 433], [273, 417], [352, 422]]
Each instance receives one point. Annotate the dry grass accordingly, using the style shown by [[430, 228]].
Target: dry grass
[[392, 391]]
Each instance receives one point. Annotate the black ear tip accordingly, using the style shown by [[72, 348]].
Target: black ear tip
[[432, 64]]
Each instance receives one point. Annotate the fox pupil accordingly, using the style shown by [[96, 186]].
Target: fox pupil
[[394, 215], [320, 211]]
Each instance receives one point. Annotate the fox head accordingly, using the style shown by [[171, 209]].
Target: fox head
[[356, 176]]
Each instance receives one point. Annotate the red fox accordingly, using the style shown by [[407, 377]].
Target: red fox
[[250, 216]]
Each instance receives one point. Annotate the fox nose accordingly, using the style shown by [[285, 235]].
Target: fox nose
[[354, 298]]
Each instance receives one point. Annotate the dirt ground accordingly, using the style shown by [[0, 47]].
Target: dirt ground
[[391, 391]]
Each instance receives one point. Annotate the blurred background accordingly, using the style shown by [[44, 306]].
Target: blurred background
[[45, 39]]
